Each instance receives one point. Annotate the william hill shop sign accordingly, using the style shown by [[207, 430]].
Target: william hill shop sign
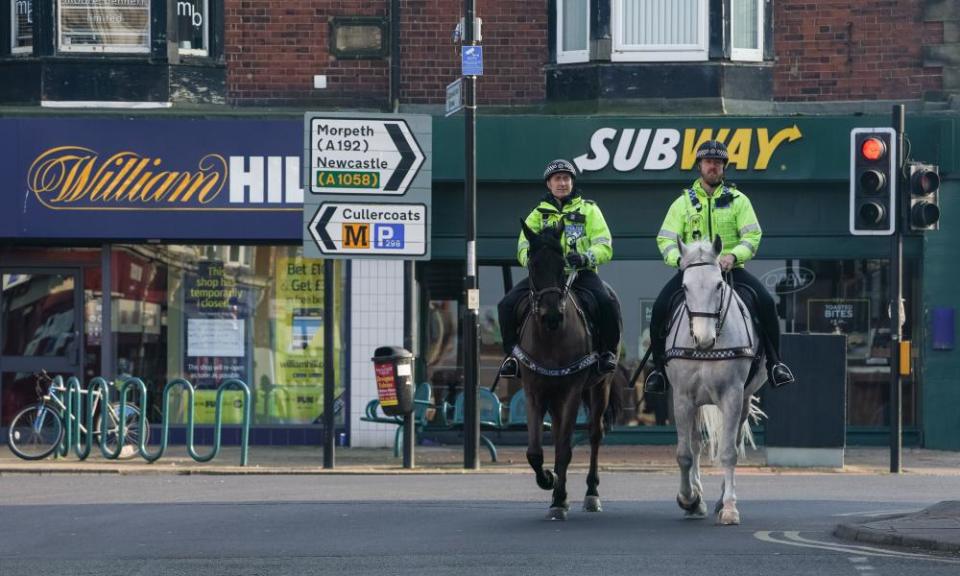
[[185, 179]]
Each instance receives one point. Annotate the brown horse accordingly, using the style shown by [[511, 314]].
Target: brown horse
[[558, 370]]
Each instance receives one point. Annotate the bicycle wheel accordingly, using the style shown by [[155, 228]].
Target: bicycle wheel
[[35, 432], [131, 430]]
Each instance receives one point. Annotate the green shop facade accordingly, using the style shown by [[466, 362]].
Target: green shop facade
[[98, 282], [796, 172]]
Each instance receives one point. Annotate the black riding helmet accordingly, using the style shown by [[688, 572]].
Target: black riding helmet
[[713, 149], [560, 165]]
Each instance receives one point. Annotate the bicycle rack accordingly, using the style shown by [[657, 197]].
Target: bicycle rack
[[73, 414], [218, 418]]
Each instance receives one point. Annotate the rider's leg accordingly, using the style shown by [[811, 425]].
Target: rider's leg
[[656, 381], [507, 312], [777, 372], [608, 321]]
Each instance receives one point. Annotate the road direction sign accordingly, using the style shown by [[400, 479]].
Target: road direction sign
[[361, 229], [372, 156]]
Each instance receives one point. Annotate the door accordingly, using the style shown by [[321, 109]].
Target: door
[[40, 329]]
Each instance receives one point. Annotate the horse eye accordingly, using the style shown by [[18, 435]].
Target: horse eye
[[719, 285]]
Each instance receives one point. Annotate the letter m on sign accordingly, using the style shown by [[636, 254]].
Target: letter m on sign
[[356, 235]]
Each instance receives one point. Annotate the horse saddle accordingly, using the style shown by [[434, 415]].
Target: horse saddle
[[746, 293], [585, 301]]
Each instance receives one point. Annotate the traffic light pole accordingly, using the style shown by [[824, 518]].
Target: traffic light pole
[[896, 286], [471, 347]]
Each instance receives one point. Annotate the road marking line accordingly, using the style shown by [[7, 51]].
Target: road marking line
[[794, 539], [873, 513]]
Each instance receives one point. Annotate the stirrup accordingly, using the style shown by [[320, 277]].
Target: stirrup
[[656, 383], [779, 375], [510, 368]]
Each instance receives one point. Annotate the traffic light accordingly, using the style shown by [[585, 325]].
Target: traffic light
[[873, 181], [924, 181]]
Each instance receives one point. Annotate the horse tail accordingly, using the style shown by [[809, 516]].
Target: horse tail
[[615, 404], [710, 424]]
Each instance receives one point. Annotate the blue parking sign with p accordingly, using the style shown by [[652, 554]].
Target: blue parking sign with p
[[388, 236]]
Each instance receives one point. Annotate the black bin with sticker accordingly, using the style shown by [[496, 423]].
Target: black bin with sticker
[[394, 370]]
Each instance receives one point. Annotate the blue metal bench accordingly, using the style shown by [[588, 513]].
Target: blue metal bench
[[421, 402]]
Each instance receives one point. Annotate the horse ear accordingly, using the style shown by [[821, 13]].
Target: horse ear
[[682, 246], [530, 234], [717, 245]]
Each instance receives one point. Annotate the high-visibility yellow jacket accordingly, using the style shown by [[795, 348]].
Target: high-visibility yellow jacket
[[582, 222], [694, 215]]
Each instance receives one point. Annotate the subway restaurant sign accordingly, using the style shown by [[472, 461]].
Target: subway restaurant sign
[[663, 148]]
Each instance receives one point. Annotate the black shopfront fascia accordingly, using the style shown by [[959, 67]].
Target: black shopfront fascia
[[47, 74]]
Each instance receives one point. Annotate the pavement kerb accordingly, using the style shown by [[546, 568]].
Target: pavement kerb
[[860, 533]]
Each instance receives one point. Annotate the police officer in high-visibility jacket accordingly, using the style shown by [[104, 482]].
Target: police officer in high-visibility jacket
[[586, 245], [708, 208]]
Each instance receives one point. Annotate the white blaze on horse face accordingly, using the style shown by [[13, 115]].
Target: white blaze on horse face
[[701, 285]]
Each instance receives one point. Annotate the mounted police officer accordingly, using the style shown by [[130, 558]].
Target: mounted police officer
[[713, 207], [586, 245]]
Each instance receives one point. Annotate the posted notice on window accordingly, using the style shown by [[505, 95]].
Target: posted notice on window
[[216, 337]]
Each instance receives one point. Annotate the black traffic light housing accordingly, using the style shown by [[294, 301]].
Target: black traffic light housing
[[923, 180], [873, 181]]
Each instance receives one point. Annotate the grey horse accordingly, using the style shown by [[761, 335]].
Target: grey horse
[[712, 346]]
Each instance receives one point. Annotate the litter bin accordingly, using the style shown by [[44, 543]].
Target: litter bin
[[394, 369]]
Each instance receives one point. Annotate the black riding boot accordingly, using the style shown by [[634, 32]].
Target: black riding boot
[[656, 382], [778, 373], [607, 362]]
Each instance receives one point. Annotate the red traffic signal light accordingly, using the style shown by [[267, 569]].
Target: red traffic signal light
[[873, 149], [873, 181]]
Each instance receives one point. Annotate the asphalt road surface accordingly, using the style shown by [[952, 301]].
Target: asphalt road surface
[[453, 524]]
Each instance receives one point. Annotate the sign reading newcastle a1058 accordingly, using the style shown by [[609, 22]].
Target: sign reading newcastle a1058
[[362, 156]]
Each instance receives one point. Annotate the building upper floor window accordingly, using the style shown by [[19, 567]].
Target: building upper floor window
[[662, 30], [193, 28], [659, 30], [573, 31], [103, 26], [746, 29], [21, 19]]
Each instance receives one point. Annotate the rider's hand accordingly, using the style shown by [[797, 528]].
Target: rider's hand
[[577, 260], [727, 261]]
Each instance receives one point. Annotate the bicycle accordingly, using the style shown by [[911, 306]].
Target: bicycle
[[38, 430]]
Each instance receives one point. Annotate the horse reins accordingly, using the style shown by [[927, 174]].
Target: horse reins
[[562, 291]]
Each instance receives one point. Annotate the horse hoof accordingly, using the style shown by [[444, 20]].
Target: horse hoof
[[694, 510], [728, 517], [592, 504], [546, 481], [557, 513]]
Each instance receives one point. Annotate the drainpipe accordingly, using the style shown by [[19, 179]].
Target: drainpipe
[[395, 55]]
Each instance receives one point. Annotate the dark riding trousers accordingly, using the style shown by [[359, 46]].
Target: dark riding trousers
[[608, 310], [766, 311]]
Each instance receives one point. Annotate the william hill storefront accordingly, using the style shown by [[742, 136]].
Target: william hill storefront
[[168, 248]]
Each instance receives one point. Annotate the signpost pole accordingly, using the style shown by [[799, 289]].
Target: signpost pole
[[471, 348], [329, 433], [896, 286], [409, 342]]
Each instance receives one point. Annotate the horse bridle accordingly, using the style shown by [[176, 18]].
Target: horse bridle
[[721, 314], [562, 291]]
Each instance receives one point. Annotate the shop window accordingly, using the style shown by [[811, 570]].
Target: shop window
[[22, 26], [746, 29], [103, 26], [659, 30], [573, 31], [193, 27]]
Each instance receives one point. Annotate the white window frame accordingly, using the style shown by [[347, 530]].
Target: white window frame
[[748, 54], [13, 32], [120, 49], [206, 34], [697, 52], [572, 56]]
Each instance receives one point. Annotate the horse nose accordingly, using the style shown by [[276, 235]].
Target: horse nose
[[706, 343]]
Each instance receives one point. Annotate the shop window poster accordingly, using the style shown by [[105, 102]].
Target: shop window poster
[[850, 316]]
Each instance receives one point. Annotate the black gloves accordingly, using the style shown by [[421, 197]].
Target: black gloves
[[577, 260]]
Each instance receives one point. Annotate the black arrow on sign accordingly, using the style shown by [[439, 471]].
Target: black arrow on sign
[[407, 157], [321, 229]]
